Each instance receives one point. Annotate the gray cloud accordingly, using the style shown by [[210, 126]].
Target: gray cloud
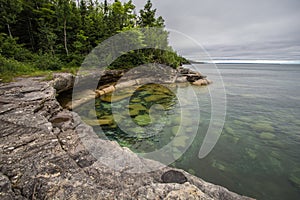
[[236, 28]]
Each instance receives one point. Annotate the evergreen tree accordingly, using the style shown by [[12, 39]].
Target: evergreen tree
[[147, 16], [63, 10], [9, 10], [52, 29]]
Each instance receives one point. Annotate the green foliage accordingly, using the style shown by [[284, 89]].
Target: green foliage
[[10, 49], [9, 12], [10, 68], [147, 18], [49, 34], [47, 62]]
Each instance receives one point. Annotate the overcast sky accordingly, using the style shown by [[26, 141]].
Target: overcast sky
[[238, 29]]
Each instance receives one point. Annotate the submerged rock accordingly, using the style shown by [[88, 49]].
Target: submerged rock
[[142, 120], [218, 165], [262, 127], [267, 136], [251, 153], [294, 178]]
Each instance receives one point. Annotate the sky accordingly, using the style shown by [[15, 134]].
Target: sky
[[235, 29]]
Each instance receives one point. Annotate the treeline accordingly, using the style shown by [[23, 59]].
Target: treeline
[[50, 34]]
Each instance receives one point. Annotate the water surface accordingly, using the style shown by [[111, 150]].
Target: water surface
[[258, 153]]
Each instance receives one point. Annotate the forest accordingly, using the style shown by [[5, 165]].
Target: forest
[[40, 36]]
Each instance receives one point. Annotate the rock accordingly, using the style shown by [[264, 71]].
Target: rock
[[199, 82], [134, 109], [114, 98], [218, 165], [173, 176], [266, 136], [61, 118], [251, 153], [180, 141], [294, 178], [187, 192], [43, 156], [262, 127], [194, 77], [62, 82], [170, 191], [182, 70], [99, 122], [181, 79], [6, 192], [155, 97], [137, 106], [142, 120]]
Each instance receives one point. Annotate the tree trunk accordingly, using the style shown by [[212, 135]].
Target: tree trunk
[[65, 37], [30, 34], [9, 31]]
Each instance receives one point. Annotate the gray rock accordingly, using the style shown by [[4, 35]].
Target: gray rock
[[62, 82], [173, 176], [42, 156]]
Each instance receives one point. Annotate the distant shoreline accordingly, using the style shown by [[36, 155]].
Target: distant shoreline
[[283, 62]]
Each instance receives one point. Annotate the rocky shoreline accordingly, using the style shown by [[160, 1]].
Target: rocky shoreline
[[112, 80], [42, 156]]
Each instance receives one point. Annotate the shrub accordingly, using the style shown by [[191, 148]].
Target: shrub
[[10, 68], [9, 48], [48, 62]]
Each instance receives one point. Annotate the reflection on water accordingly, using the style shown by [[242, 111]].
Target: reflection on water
[[258, 153]]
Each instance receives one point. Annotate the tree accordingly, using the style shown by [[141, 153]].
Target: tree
[[147, 15], [9, 10], [46, 30], [64, 12]]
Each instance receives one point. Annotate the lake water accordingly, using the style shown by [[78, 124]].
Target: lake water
[[258, 153]]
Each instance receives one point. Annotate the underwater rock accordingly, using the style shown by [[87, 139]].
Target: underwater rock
[[262, 127], [142, 120], [266, 136], [114, 98], [137, 106], [155, 98], [173, 176], [132, 113], [99, 122], [275, 143], [175, 129], [218, 165], [180, 141], [251, 153], [294, 178], [92, 113], [229, 130], [191, 171]]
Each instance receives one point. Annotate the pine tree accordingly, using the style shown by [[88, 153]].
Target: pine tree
[[9, 10], [147, 15], [64, 12]]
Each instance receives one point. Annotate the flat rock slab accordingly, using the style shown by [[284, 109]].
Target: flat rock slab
[[42, 156]]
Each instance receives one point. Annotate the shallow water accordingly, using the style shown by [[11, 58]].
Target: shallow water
[[258, 153]]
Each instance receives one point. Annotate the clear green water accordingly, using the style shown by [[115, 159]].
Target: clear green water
[[258, 153]]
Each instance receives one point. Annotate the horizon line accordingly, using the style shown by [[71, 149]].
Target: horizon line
[[245, 61]]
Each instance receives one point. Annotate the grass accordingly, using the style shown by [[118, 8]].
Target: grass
[[10, 69]]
